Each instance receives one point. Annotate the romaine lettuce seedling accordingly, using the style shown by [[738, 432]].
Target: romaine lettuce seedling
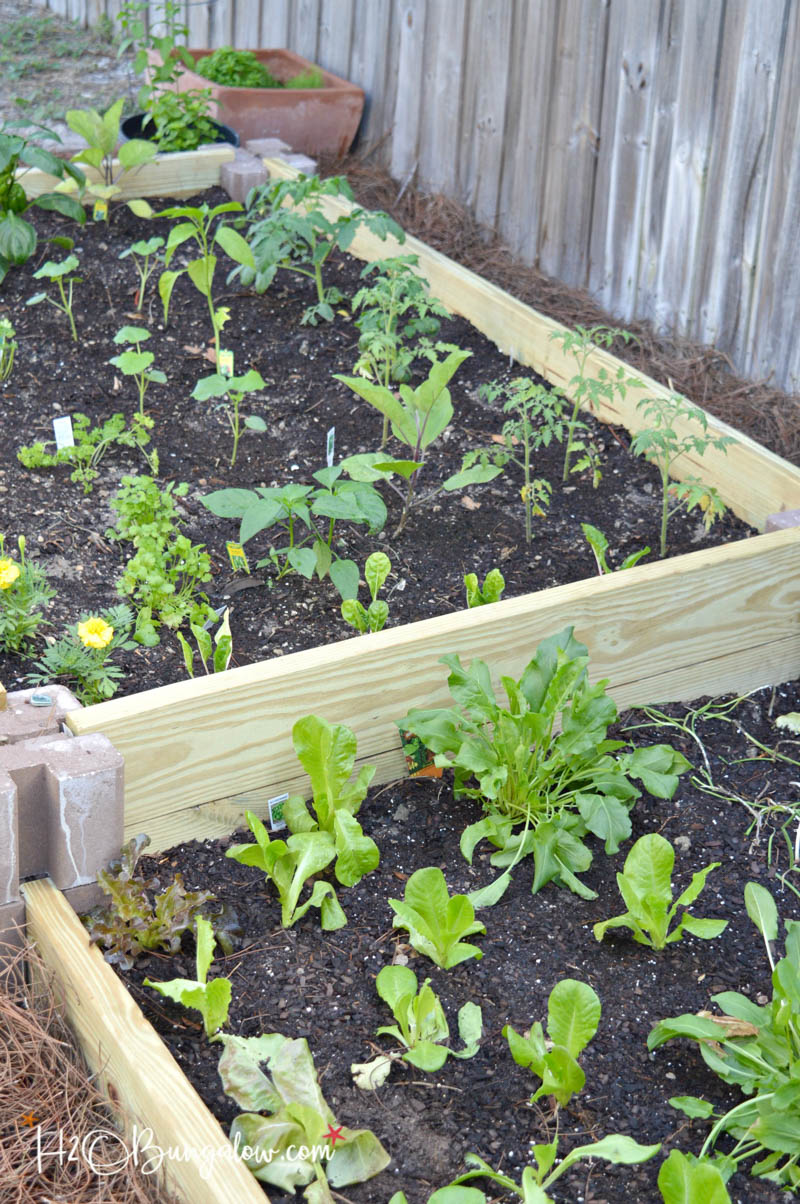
[[646, 887], [491, 591], [599, 545], [573, 1014], [436, 922], [211, 999], [372, 618]]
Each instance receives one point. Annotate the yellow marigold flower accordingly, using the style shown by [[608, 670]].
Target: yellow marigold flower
[[95, 633], [9, 571]]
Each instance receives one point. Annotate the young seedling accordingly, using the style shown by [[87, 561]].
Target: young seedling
[[376, 569], [678, 428], [90, 446], [146, 254], [233, 387], [646, 888], [61, 275], [8, 347], [573, 1014], [436, 922], [135, 362], [599, 545], [492, 590], [102, 135], [221, 647], [211, 999]]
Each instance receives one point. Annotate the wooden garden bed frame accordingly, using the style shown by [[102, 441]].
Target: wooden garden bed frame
[[179, 174]]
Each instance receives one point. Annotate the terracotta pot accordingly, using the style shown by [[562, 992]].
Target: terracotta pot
[[311, 120]]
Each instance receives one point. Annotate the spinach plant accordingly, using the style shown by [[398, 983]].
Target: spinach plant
[[436, 922], [135, 362], [573, 1014], [372, 618], [591, 392], [233, 387], [418, 416], [662, 444], [81, 657], [8, 348], [293, 510], [491, 591], [756, 1048], [101, 133], [24, 594], [276, 1075], [147, 256], [288, 864], [62, 274], [90, 446], [291, 230], [221, 647], [560, 785], [646, 888], [599, 545], [211, 999]]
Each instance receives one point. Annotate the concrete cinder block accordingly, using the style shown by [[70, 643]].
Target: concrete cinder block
[[782, 520], [244, 172], [301, 163], [267, 148], [21, 720]]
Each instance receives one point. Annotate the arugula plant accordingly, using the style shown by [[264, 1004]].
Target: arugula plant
[[436, 922], [646, 888], [61, 274], [211, 999], [24, 594], [101, 133], [147, 257], [573, 1014], [599, 545], [91, 445], [589, 392], [417, 417], [491, 591], [661, 444], [290, 230], [81, 657], [221, 647], [293, 510], [135, 362], [372, 618], [542, 761], [276, 1075], [288, 864], [233, 388], [756, 1049], [8, 348]]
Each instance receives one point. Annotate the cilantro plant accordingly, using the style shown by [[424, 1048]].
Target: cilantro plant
[[542, 761], [61, 274], [135, 362], [755, 1048], [646, 888], [233, 388], [573, 1014], [291, 230], [296, 512], [436, 922], [599, 545], [491, 591], [276, 1075], [101, 133], [372, 618], [8, 348], [221, 647], [91, 445], [211, 999], [81, 657], [24, 594], [662, 444], [147, 256], [418, 416]]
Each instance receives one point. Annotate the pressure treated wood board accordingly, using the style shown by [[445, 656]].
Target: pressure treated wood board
[[711, 622], [143, 1083], [181, 174], [752, 480]]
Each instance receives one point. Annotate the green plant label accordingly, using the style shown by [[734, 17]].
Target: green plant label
[[62, 430], [330, 444], [100, 211], [225, 363], [419, 759], [237, 557], [275, 808]]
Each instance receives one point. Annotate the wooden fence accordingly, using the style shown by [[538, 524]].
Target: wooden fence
[[645, 149]]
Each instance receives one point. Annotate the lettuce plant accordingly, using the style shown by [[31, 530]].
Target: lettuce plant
[[598, 542], [436, 922], [211, 999], [573, 1014], [646, 888], [684, 1179], [542, 761], [483, 595], [373, 617]]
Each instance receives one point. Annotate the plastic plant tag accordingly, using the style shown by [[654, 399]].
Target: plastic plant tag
[[237, 557], [275, 808], [225, 364], [62, 429], [100, 211], [330, 444], [419, 759]]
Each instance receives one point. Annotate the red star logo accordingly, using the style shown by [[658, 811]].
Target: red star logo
[[333, 1135], [29, 1120]]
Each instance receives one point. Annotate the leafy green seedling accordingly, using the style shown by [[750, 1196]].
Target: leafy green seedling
[[233, 387], [222, 647], [61, 274], [492, 590], [102, 135], [646, 887], [678, 428], [211, 999], [599, 545], [542, 761], [289, 864], [436, 922], [90, 446], [8, 347], [376, 569], [327, 752], [135, 362], [146, 254], [684, 1179], [573, 1014]]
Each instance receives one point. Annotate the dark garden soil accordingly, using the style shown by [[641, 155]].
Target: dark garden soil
[[306, 983], [467, 531]]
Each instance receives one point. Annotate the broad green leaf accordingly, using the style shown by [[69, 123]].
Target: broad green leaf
[[303, 561], [573, 1013], [705, 929], [479, 474], [259, 515], [695, 887], [344, 575], [376, 569], [426, 1056], [395, 983], [205, 947], [561, 1075], [201, 273], [649, 865], [487, 896], [761, 909], [234, 245], [229, 503], [616, 1147], [359, 1157], [17, 239], [357, 854], [136, 152], [166, 283], [683, 1179], [692, 1106], [687, 1025], [606, 817]]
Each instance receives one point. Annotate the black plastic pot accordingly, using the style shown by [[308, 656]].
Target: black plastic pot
[[138, 125]]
